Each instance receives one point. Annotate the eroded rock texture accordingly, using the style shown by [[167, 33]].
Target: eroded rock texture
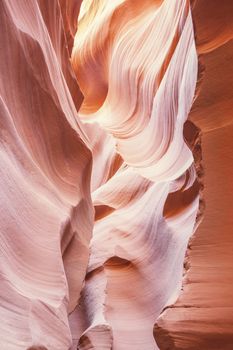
[[101, 174]]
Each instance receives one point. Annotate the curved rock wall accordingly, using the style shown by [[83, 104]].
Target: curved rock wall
[[46, 210], [202, 317]]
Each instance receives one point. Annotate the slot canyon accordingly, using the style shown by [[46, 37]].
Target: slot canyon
[[116, 168]]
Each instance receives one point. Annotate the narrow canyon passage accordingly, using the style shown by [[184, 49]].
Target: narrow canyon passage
[[103, 122]]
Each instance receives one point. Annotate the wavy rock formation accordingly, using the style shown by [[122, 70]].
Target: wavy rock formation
[[137, 69], [101, 174]]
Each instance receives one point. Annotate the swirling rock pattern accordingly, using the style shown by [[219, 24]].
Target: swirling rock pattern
[[137, 68], [100, 169]]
